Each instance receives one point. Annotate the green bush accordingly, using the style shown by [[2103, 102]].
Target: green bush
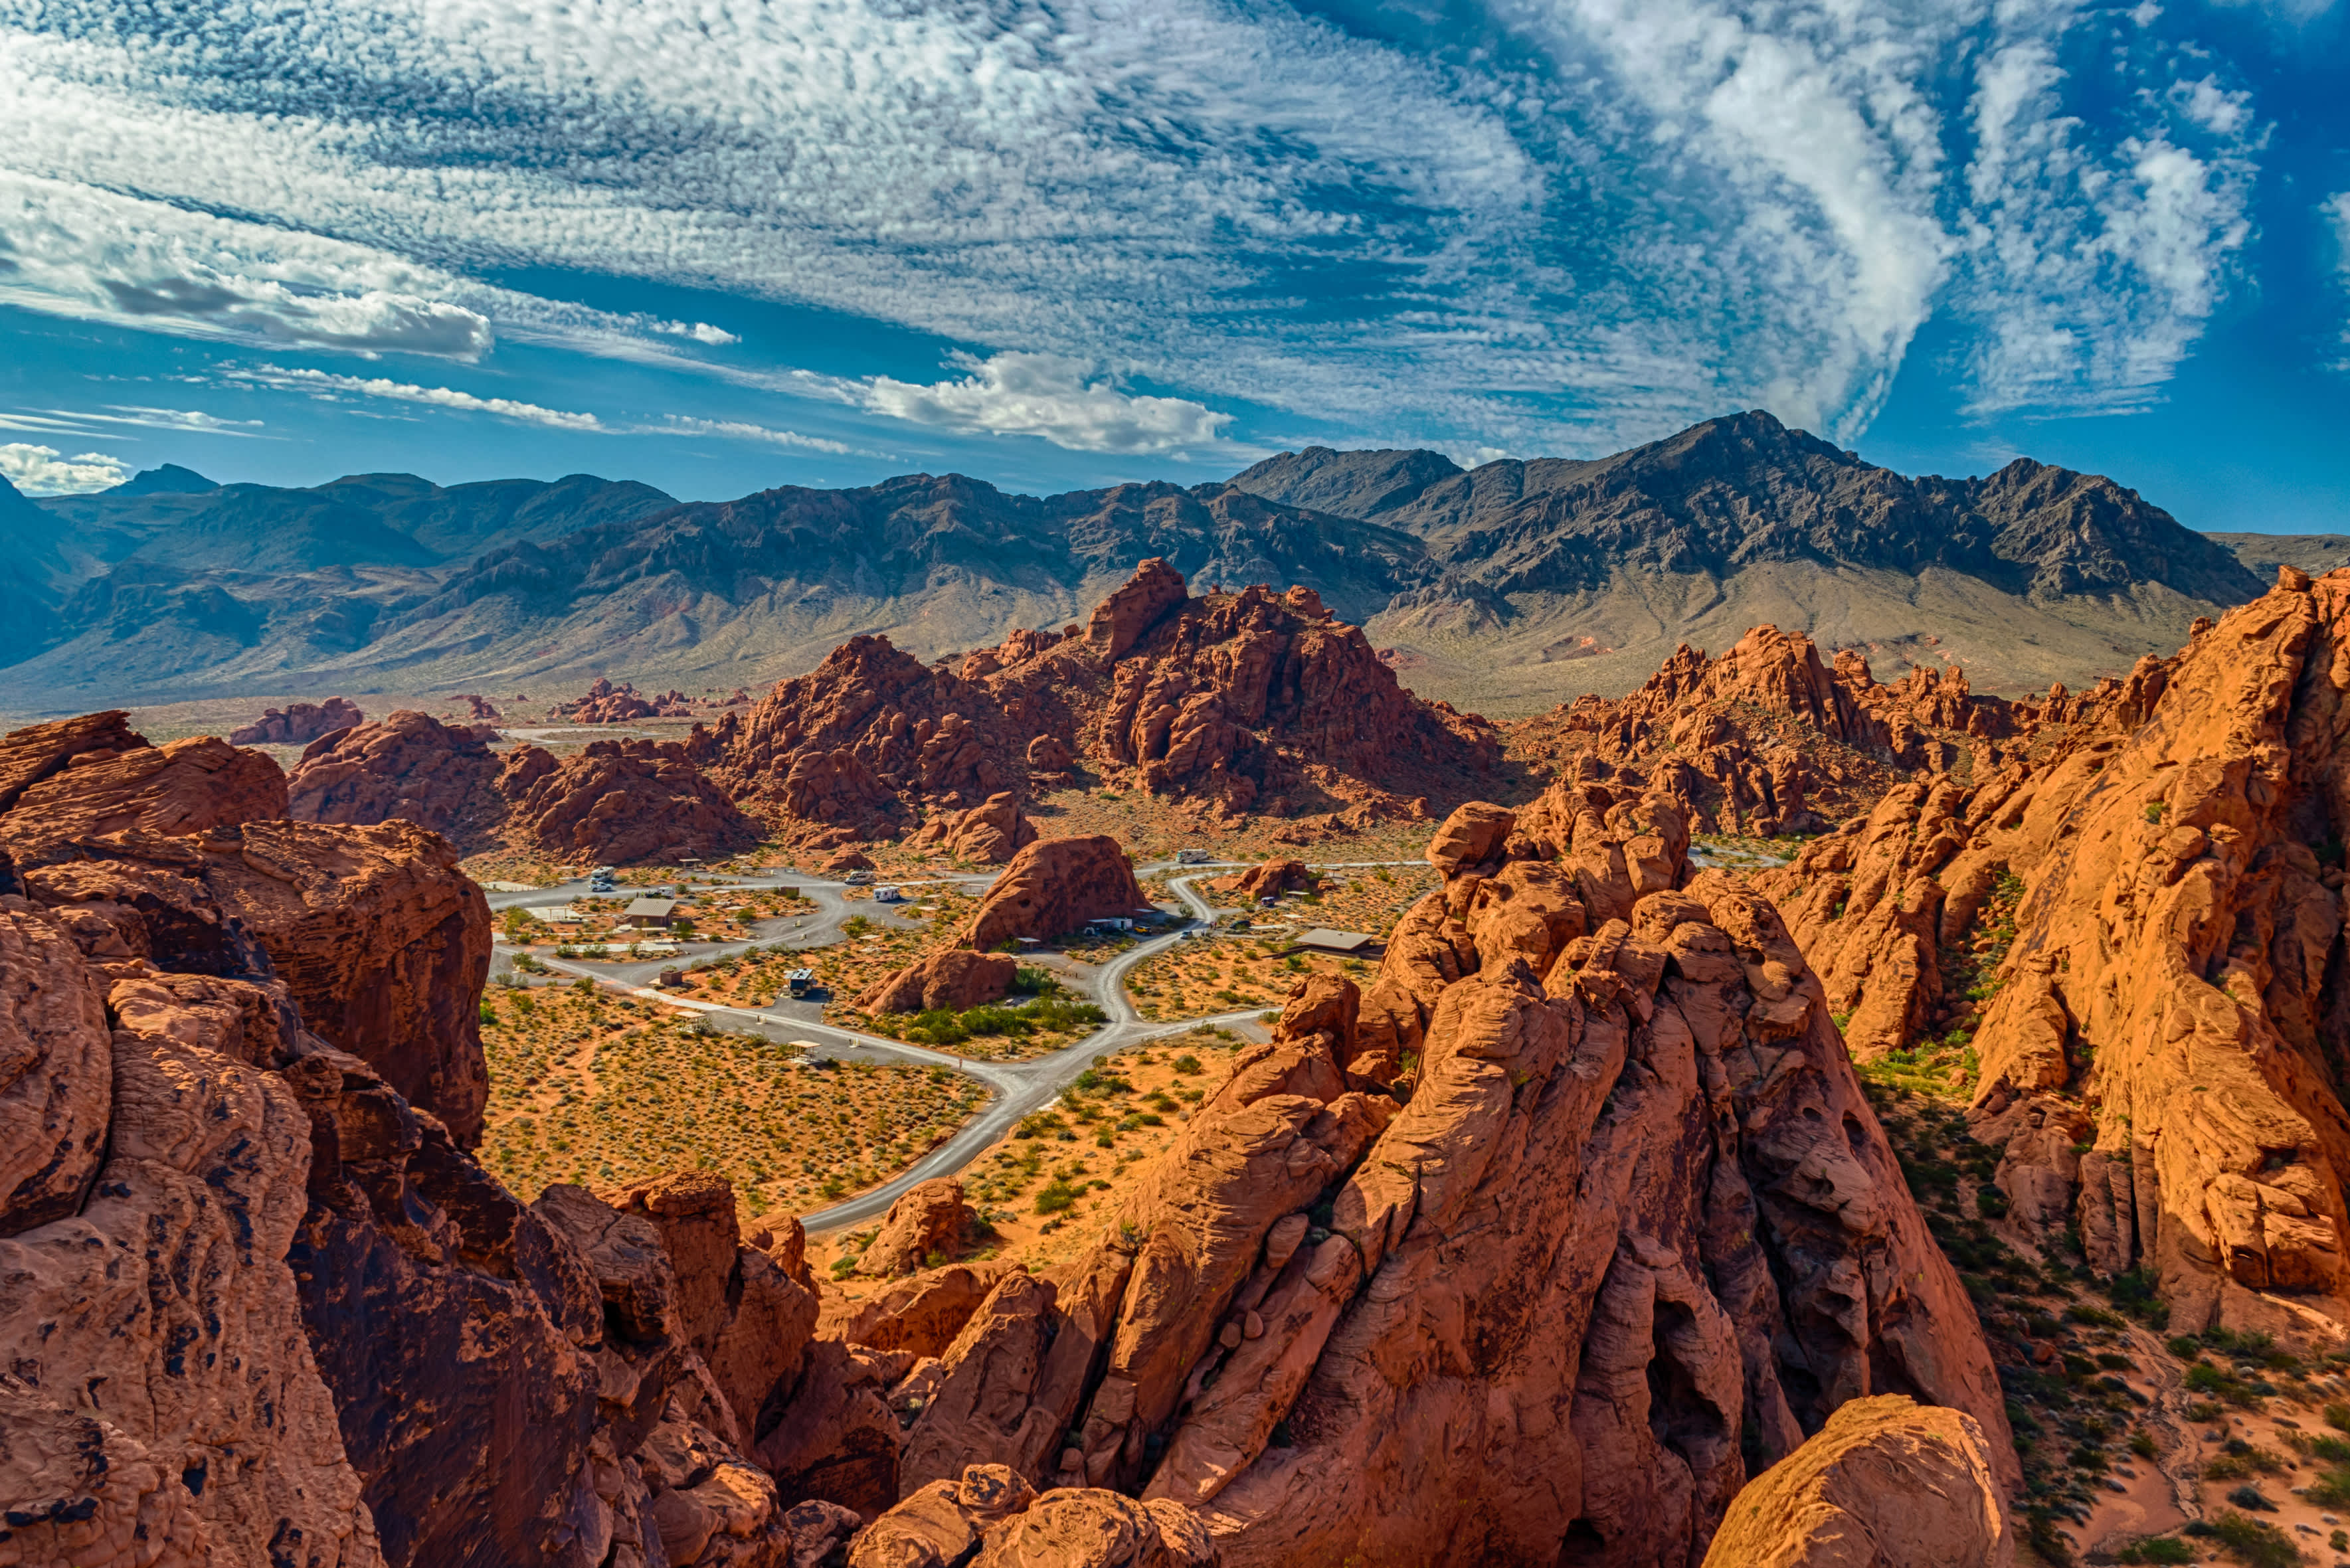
[[1057, 1196], [2161, 1549], [1189, 1065], [2256, 1544]]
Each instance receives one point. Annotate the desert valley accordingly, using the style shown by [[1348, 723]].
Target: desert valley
[[1369, 1014]]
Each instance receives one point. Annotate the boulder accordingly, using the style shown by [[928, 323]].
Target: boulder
[[989, 831], [407, 766], [953, 978], [1052, 887], [1887, 1483], [929, 1219], [1268, 880]]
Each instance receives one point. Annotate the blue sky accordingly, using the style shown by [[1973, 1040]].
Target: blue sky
[[718, 244]]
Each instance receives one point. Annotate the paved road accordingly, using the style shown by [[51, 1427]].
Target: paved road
[[1019, 1087]]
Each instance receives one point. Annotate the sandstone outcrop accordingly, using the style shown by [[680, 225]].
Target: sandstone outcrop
[[1237, 702], [407, 766], [1887, 1483], [1768, 740], [920, 1313], [382, 943], [953, 978], [1717, 1247], [620, 800], [57, 1071], [1268, 880], [2165, 1002], [605, 704], [1054, 886], [95, 775], [990, 1515], [301, 724], [990, 832], [290, 1319], [930, 1217]]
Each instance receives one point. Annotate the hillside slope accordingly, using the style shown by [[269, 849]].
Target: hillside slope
[[1564, 576]]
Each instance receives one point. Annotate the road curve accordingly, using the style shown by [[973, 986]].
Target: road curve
[[1019, 1087]]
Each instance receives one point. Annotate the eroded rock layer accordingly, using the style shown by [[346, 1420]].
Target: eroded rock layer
[[1630, 1213]]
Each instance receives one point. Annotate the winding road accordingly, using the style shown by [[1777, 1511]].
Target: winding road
[[1019, 1087]]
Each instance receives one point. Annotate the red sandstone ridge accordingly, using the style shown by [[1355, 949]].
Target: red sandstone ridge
[[957, 978], [622, 800], [299, 725], [1767, 740], [1241, 703], [1632, 1184]]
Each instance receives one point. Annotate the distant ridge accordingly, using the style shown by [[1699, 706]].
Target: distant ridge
[[1505, 589]]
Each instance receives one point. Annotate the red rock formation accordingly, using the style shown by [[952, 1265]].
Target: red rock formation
[[56, 1071], [95, 775], [302, 724], [989, 1517], [1268, 880], [605, 704], [620, 800], [922, 1313], [383, 942], [1767, 740], [954, 978], [481, 710], [408, 765], [1054, 886], [1238, 702], [931, 1219], [990, 833], [1887, 1483], [290, 1308], [1634, 1187], [161, 1318], [2164, 1002]]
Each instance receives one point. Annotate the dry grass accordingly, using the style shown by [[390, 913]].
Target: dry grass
[[1081, 1156], [596, 1090]]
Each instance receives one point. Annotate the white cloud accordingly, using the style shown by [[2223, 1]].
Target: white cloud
[[43, 471], [2095, 259], [1046, 395], [740, 429], [1542, 223], [323, 384]]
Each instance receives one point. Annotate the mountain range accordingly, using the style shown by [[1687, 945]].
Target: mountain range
[[1508, 587]]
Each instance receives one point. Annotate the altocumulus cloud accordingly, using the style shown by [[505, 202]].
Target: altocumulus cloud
[[1530, 220], [1044, 395]]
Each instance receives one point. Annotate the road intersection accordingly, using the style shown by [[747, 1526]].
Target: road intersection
[[1019, 1088]]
